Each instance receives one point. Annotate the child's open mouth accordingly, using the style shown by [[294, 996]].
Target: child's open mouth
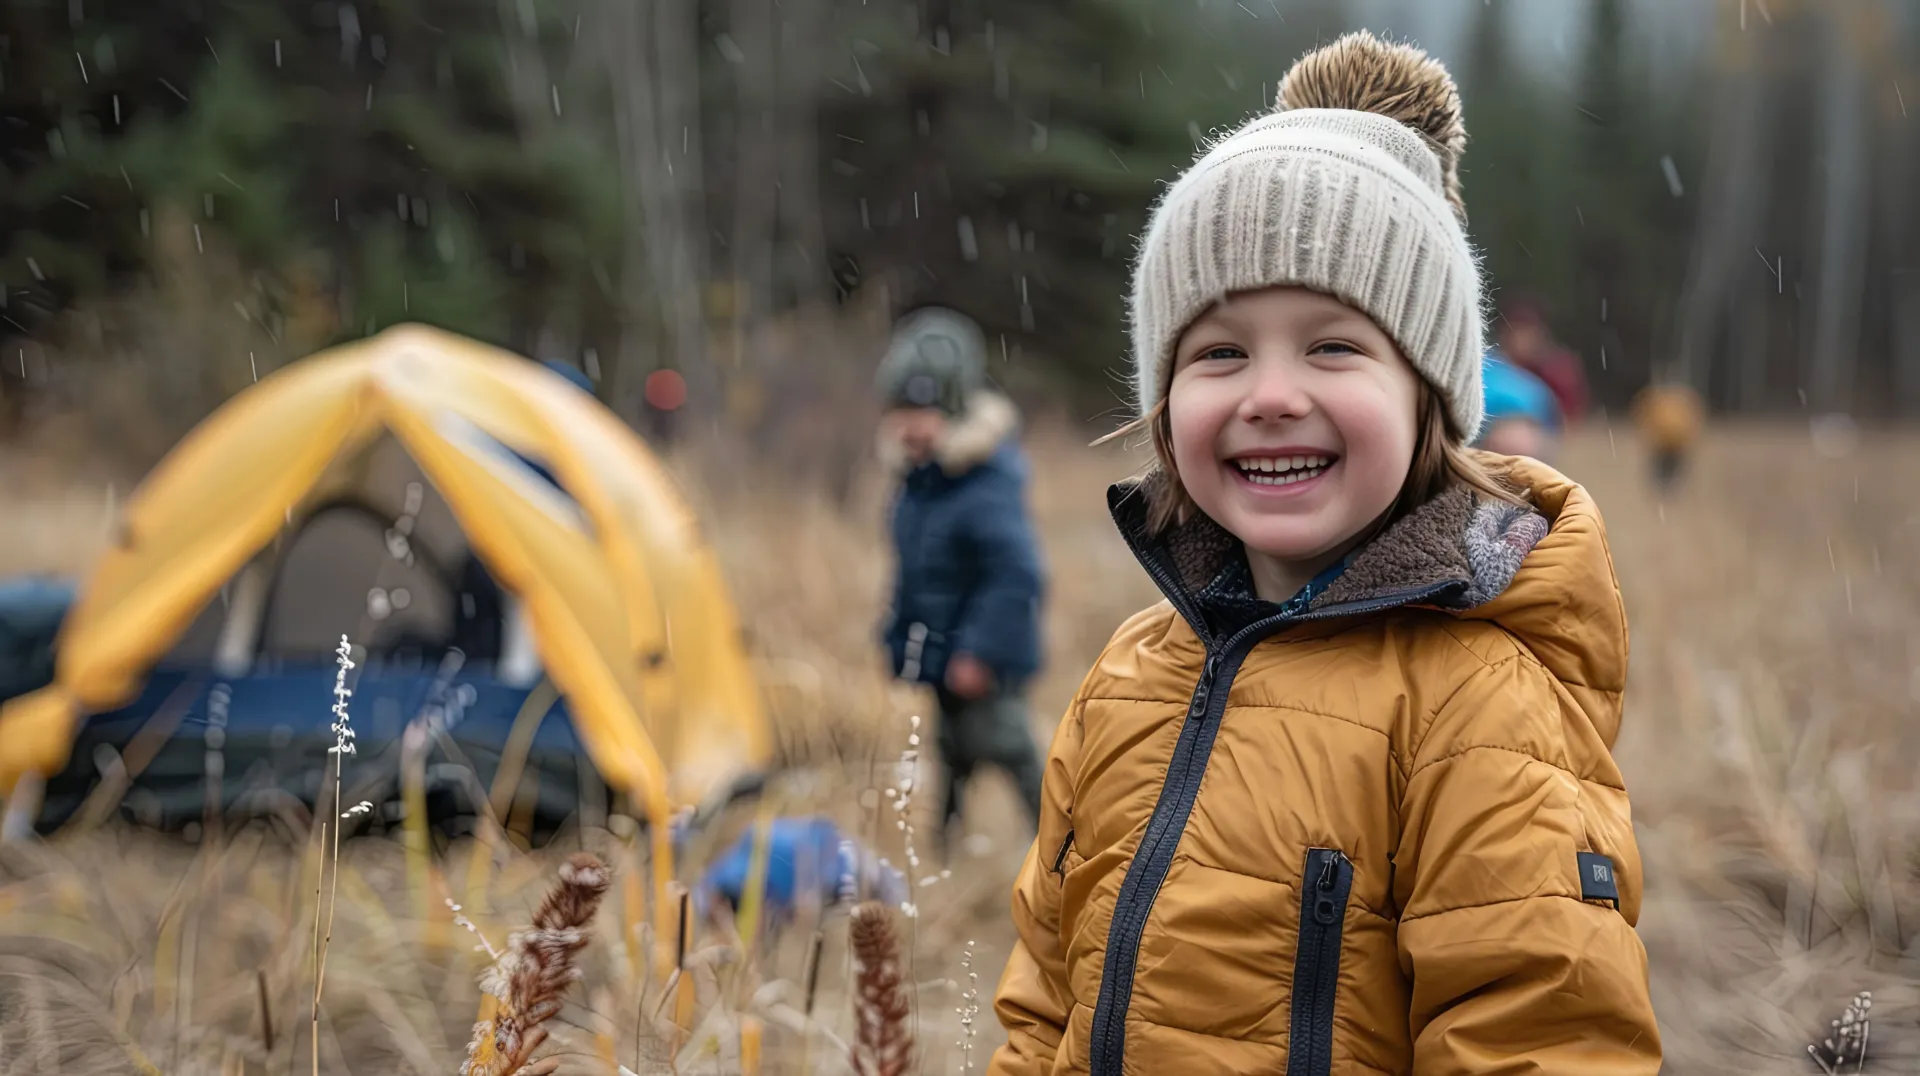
[[1282, 470]]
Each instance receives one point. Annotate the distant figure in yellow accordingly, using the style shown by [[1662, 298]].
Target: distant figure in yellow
[[1669, 415]]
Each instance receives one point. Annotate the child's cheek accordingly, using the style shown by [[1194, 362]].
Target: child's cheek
[[1195, 428]]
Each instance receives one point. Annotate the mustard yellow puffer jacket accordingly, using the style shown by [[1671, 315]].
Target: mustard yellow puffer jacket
[[1377, 829]]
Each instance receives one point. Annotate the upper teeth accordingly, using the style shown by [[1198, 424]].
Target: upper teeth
[[1282, 463]]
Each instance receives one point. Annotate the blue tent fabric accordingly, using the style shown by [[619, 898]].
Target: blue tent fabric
[[270, 730], [572, 373], [1512, 392], [804, 853], [31, 611]]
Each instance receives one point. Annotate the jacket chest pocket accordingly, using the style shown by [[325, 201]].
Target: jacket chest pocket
[[1325, 886]]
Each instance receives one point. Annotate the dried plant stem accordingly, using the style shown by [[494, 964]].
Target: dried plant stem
[[969, 1008], [321, 944], [667, 994], [266, 1011], [1849, 1039], [753, 894], [815, 950], [342, 747], [333, 891], [907, 781], [319, 881], [680, 989], [750, 1043]]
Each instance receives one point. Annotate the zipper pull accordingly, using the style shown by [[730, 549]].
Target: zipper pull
[[1204, 689], [1324, 911]]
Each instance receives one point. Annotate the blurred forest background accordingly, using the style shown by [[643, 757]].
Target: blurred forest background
[[1720, 189], [743, 193]]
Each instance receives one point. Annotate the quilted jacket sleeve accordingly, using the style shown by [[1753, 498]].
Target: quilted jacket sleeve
[[1513, 969], [1032, 1001], [1000, 622]]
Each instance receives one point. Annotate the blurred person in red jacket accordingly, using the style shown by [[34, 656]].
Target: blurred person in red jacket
[[1527, 342]]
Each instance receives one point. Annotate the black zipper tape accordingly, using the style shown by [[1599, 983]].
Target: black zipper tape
[[1151, 861], [1324, 888]]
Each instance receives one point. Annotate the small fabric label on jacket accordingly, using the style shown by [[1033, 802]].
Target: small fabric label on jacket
[[1596, 879]]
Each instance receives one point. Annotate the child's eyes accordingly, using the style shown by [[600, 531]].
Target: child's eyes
[[1333, 347], [1232, 352], [1224, 351]]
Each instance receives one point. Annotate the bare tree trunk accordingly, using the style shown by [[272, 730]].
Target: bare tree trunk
[[1731, 200], [1904, 282], [1897, 222], [1841, 240], [803, 34], [936, 29], [623, 53], [756, 163], [535, 97], [1751, 331], [649, 55], [684, 261], [528, 82], [1906, 340]]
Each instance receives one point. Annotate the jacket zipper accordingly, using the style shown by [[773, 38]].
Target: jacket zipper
[[1153, 858], [1325, 887]]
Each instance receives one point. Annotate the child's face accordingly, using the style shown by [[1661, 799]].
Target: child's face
[[918, 429], [1292, 418], [1522, 339], [1517, 437]]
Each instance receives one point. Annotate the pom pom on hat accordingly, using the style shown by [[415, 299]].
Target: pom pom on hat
[[1365, 74]]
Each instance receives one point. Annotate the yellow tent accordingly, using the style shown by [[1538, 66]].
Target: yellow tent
[[624, 600]]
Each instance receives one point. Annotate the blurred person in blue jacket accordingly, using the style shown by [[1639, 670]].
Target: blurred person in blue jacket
[[1523, 418], [968, 588]]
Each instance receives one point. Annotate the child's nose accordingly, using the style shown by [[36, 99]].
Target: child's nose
[[1275, 392]]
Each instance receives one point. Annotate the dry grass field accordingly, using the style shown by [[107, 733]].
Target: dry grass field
[[1772, 747]]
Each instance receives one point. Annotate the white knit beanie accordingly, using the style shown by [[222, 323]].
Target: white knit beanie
[[1350, 187]]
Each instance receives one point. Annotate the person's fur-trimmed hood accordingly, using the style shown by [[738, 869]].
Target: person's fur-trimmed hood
[[972, 436]]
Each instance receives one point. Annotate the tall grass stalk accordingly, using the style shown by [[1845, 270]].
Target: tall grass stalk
[[753, 894], [342, 747]]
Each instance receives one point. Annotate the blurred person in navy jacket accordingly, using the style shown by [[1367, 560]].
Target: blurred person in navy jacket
[[968, 588]]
